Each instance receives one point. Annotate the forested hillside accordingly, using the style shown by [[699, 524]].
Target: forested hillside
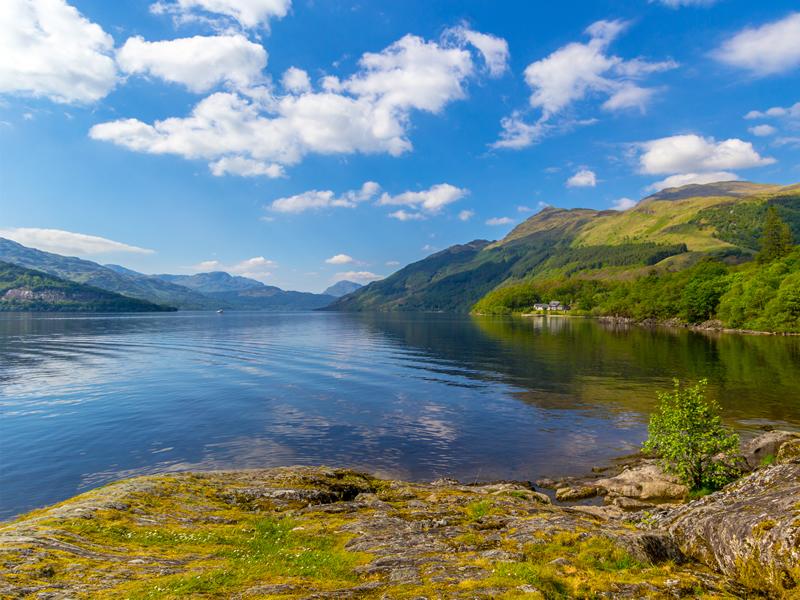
[[28, 290], [676, 254]]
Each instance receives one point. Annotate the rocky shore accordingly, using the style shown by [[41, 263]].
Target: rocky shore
[[315, 532]]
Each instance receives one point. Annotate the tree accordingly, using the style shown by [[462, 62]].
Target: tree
[[776, 241], [687, 433]]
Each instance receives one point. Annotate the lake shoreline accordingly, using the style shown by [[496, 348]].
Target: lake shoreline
[[709, 327], [293, 531]]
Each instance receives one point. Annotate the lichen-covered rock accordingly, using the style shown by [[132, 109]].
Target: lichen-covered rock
[[567, 494], [750, 530], [788, 451], [766, 446], [644, 481]]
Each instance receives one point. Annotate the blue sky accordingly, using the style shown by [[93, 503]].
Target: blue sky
[[304, 141]]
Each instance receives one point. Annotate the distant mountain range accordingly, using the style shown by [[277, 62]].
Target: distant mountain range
[[203, 291], [342, 288], [670, 230], [24, 289]]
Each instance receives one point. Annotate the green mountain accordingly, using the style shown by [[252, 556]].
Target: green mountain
[[242, 293], [128, 283], [271, 298], [213, 282], [28, 290], [342, 288], [668, 231]]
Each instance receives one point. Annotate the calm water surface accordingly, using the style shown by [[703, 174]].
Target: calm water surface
[[85, 399]]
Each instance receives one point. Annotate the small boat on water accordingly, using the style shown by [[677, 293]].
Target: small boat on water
[[220, 311]]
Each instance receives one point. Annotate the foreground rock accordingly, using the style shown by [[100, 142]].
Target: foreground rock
[[749, 531], [325, 533]]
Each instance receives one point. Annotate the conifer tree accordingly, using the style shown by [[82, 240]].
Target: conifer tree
[[776, 240]]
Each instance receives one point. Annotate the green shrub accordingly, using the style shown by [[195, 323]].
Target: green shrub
[[687, 433]]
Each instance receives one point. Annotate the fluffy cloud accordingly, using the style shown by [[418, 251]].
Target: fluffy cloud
[[577, 71], [257, 267], [778, 112], [340, 259], [762, 130], [430, 201], [67, 242], [766, 50], [623, 204], [245, 167], [358, 276], [316, 199], [404, 215], [499, 221], [47, 48], [466, 215], [583, 178], [369, 112], [296, 81], [198, 62], [515, 133], [687, 178], [693, 153], [248, 13], [494, 49]]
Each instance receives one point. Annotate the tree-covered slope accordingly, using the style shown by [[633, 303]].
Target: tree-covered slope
[[669, 231], [143, 287], [28, 290]]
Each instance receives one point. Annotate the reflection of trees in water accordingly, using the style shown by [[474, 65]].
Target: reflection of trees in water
[[571, 363]]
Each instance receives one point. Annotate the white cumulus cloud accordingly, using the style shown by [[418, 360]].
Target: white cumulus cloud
[[765, 50], [369, 112], [499, 221], [762, 130], [583, 178], [623, 204], [245, 167], [688, 178], [318, 199], [296, 81], [466, 215], [67, 242], [199, 62], [404, 215], [358, 276], [248, 13], [432, 200], [48, 49], [494, 49], [258, 267], [340, 259], [577, 71], [692, 153], [777, 112]]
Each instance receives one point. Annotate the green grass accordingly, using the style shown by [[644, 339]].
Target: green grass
[[266, 549], [767, 460]]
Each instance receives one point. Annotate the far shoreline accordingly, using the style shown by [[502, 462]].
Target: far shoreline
[[650, 323]]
